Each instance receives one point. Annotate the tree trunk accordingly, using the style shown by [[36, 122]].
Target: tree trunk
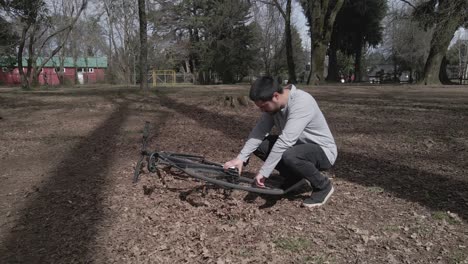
[[60, 73], [443, 34], [318, 64], [289, 47], [395, 69], [443, 76], [358, 64], [432, 67], [321, 18], [31, 78], [110, 68], [143, 45], [187, 66], [22, 42], [410, 80], [35, 79], [333, 74]]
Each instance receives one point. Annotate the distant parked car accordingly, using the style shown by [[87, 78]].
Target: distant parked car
[[405, 77]]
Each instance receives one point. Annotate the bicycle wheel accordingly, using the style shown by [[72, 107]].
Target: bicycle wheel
[[144, 142], [138, 167], [214, 173]]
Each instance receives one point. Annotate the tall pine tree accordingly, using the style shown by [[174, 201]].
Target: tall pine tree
[[357, 24], [218, 33]]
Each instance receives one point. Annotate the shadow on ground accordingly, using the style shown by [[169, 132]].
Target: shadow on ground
[[58, 223]]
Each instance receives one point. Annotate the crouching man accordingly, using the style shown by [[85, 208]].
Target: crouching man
[[304, 147]]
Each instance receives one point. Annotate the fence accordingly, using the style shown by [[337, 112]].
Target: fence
[[458, 73], [171, 78]]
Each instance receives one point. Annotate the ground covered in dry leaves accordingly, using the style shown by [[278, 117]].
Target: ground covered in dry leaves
[[67, 158]]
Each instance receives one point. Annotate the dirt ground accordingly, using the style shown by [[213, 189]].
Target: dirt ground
[[67, 158]]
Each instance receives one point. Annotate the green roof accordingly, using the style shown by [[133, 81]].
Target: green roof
[[82, 62]]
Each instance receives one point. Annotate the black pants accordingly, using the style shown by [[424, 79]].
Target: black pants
[[302, 161]]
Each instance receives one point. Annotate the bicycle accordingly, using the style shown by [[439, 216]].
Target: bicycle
[[200, 168]]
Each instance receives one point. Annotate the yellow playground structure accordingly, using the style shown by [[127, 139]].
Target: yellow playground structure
[[171, 78]]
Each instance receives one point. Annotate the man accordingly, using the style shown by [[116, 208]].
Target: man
[[304, 147]]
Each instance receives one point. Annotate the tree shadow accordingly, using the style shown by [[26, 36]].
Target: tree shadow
[[232, 127], [404, 104], [58, 223], [431, 190]]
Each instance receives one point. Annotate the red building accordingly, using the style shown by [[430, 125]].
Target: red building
[[82, 71]]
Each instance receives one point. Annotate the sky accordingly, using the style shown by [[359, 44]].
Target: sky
[[460, 34], [300, 22]]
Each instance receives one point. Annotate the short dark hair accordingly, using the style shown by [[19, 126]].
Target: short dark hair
[[263, 89]]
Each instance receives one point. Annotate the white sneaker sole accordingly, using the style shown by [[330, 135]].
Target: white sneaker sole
[[322, 203]]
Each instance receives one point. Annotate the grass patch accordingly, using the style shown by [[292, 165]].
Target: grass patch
[[440, 216], [292, 244], [317, 259], [376, 189], [459, 257], [392, 228], [245, 252]]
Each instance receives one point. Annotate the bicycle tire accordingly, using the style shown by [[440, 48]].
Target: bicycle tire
[[144, 142], [138, 166], [214, 173]]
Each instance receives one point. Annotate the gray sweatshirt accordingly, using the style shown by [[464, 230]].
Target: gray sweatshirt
[[299, 122]]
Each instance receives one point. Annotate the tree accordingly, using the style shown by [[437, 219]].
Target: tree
[[232, 44], [405, 44], [299, 55], [445, 16], [280, 62], [321, 15], [271, 41], [458, 55], [286, 14], [37, 32], [122, 25], [218, 33], [29, 13], [179, 29], [143, 44], [357, 25], [8, 42]]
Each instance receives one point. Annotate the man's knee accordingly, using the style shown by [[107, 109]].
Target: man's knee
[[289, 158]]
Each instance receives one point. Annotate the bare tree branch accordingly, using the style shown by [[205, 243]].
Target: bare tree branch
[[69, 28], [408, 3], [280, 9], [276, 4]]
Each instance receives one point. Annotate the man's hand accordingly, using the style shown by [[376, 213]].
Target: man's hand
[[260, 181], [236, 163]]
